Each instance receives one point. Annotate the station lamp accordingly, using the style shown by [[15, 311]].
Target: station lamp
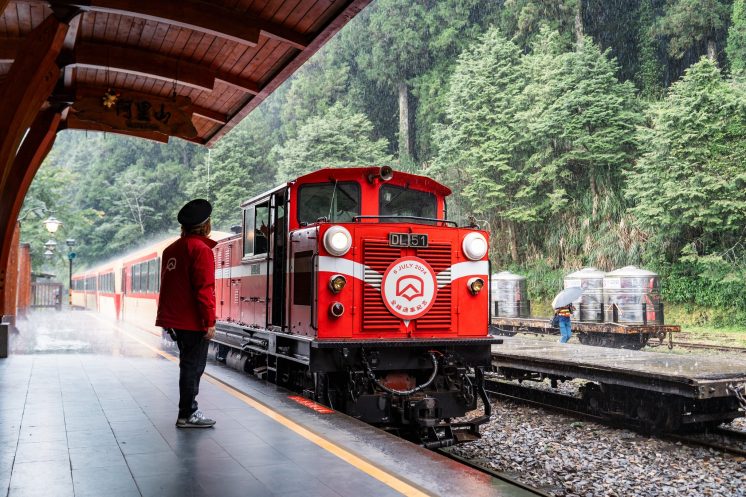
[[50, 245], [52, 224]]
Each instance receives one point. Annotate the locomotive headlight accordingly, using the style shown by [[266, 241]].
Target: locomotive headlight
[[337, 283], [336, 309], [475, 285], [475, 246], [337, 240]]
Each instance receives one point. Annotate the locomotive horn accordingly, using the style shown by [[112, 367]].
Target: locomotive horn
[[384, 173]]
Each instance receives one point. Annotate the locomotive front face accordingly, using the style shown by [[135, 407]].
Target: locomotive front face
[[389, 268]]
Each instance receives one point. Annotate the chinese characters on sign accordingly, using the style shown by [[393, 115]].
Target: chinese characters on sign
[[133, 111]]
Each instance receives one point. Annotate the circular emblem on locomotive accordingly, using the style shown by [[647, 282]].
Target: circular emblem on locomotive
[[409, 287]]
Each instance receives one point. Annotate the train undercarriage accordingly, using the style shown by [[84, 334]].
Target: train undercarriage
[[412, 388]]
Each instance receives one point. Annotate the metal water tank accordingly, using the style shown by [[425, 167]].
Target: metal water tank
[[509, 295], [590, 305], [632, 296]]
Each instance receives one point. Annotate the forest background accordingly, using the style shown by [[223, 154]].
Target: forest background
[[579, 132]]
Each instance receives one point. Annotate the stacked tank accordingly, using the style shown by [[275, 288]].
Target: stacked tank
[[589, 307], [632, 296], [509, 295]]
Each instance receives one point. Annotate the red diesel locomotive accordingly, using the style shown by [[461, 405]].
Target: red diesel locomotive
[[351, 286]]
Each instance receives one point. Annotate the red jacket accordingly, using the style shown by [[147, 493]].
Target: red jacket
[[187, 299]]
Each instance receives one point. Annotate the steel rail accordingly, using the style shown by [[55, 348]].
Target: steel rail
[[705, 346], [493, 473], [701, 440]]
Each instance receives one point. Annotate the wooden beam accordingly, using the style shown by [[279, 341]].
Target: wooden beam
[[197, 15], [135, 61], [30, 81], [143, 63], [210, 114], [74, 123], [35, 147], [243, 84]]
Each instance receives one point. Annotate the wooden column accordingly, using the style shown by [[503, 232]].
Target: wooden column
[[29, 83], [34, 149], [11, 292], [24, 280]]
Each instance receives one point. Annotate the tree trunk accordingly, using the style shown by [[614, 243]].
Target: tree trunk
[[712, 52], [513, 242], [579, 31], [405, 138], [594, 192]]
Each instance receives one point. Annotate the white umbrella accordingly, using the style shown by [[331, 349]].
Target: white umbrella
[[567, 297]]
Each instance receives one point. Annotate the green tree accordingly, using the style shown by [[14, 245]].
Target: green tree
[[650, 72], [688, 22], [736, 48], [235, 170], [484, 139], [690, 184], [336, 139]]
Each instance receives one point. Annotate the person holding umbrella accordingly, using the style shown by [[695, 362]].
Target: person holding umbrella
[[563, 309]]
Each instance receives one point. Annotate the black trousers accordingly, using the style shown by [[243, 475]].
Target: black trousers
[[192, 361]]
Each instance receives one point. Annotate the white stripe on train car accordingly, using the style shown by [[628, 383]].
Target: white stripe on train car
[[242, 271], [346, 267]]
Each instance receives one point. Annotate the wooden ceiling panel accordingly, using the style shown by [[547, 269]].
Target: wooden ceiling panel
[[226, 56]]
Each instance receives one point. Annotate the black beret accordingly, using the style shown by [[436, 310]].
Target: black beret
[[194, 212]]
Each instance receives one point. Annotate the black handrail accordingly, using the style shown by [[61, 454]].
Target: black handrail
[[417, 218]]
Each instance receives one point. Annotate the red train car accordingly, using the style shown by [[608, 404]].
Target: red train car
[[351, 286]]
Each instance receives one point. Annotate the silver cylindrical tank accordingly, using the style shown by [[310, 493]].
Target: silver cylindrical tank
[[590, 305], [509, 295], [632, 295]]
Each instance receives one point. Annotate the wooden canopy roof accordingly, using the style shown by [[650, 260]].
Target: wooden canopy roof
[[147, 68], [226, 56]]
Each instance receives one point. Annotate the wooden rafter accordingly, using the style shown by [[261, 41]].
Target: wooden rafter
[[198, 16], [142, 62], [137, 62]]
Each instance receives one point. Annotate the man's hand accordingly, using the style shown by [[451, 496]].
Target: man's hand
[[210, 333]]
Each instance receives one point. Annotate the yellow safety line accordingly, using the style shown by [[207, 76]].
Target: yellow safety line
[[358, 462]]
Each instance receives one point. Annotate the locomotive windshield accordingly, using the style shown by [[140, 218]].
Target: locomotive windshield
[[337, 202], [398, 201]]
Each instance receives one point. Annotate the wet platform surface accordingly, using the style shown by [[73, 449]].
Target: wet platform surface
[[87, 408]]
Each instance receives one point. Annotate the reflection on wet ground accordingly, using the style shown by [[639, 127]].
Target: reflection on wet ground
[[75, 332]]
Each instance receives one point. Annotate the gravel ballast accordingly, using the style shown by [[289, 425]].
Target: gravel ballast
[[567, 457]]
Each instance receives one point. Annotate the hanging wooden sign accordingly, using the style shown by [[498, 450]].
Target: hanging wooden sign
[[126, 110]]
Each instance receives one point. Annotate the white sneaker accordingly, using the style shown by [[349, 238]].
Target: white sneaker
[[196, 420]]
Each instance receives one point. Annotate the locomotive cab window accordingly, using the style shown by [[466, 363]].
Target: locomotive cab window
[[336, 202], [256, 229], [396, 201]]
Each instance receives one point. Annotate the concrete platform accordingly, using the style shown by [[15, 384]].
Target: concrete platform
[[87, 408], [694, 376]]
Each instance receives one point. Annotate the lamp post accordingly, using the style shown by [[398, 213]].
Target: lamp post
[[70, 242]]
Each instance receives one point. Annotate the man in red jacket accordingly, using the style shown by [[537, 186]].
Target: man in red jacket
[[187, 304]]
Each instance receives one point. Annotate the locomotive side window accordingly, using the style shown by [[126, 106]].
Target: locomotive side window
[[248, 231], [337, 202], [398, 201], [261, 227], [256, 229]]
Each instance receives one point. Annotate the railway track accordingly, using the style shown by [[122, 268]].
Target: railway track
[[493, 473], [725, 440], [706, 346]]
